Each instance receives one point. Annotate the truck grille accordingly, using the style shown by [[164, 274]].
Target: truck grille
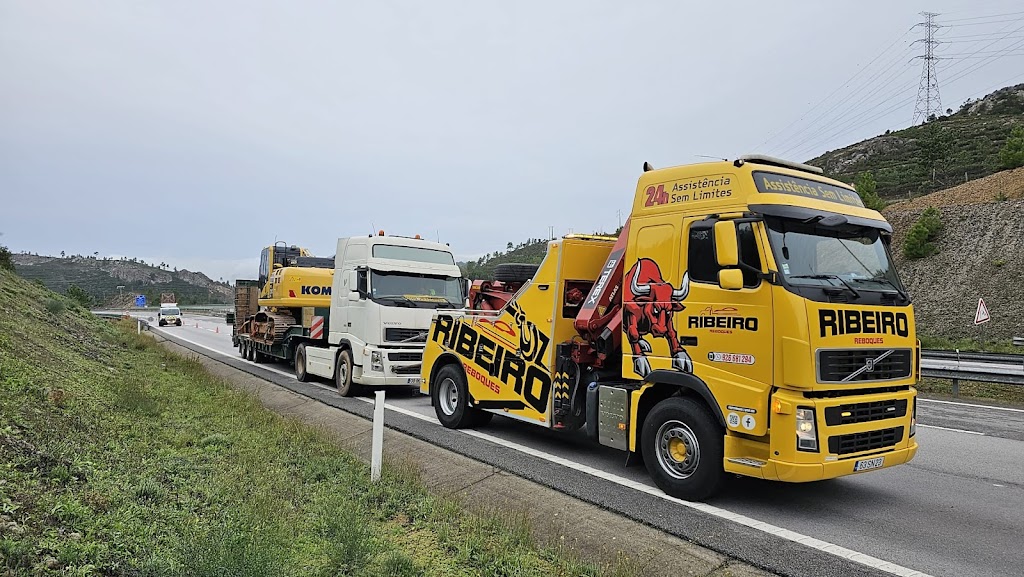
[[864, 412], [866, 441], [405, 335], [406, 370], [414, 357], [842, 366]]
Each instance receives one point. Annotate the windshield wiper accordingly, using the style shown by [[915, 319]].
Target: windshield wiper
[[884, 280], [853, 291], [400, 300]]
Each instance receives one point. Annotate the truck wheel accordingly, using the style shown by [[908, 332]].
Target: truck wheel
[[343, 374], [300, 364], [251, 352], [682, 448], [450, 397], [515, 272], [241, 349]]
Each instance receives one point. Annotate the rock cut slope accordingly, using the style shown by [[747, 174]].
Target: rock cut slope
[[980, 255]]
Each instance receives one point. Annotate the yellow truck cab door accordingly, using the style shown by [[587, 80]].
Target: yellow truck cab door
[[728, 334]]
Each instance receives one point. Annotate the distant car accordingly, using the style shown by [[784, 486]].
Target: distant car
[[169, 316]]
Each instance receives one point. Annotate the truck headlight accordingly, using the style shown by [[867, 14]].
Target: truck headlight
[[806, 430], [376, 362], [913, 419]]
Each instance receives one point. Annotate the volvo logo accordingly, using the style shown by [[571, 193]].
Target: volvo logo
[[868, 367]]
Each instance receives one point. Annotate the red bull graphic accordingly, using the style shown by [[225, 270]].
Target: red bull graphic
[[648, 308]]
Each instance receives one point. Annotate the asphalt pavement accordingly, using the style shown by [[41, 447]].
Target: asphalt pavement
[[957, 509]]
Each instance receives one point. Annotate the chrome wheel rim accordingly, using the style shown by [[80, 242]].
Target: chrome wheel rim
[[677, 449], [300, 364], [342, 375], [448, 396]]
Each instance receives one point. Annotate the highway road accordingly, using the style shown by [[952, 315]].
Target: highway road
[[956, 510]]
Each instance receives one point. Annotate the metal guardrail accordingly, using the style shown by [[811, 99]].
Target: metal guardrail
[[1001, 368], [973, 356]]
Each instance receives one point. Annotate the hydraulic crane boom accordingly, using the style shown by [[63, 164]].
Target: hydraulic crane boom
[[599, 321]]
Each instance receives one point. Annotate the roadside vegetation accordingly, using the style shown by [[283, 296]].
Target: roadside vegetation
[[118, 457], [971, 390], [920, 241], [969, 345]]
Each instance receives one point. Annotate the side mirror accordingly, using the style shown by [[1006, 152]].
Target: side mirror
[[730, 279], [353, 283], [726, 248]]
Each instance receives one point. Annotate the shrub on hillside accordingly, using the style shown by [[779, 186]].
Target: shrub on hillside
[[1012, 153], [868, 191], [920, 238], [5, 259], [78, 295]]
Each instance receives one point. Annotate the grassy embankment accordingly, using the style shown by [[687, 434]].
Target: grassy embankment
[[120, 458]]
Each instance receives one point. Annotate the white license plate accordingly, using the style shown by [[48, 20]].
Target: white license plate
[[868, 464], [413, 380]]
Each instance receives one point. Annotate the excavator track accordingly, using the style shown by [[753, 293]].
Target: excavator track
[[270, 327]]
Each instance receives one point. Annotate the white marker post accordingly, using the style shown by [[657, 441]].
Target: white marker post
[[140, 326], [377, 449]]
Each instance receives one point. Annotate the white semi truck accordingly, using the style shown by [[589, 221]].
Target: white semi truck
[[384, 294]]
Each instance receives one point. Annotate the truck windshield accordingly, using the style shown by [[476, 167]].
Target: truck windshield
[[851, 258], [172, 312], [426, 291]]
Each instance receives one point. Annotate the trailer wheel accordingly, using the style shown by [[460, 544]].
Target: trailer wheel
[[241, 349], [251, 352], [515, 272], [450, 397], [682, 448], [343, 374], [300, 364]]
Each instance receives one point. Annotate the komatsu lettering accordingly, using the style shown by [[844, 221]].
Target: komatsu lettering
[[316, 290], [851, 322]]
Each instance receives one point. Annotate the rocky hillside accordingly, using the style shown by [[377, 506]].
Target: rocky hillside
[[981, 254], [101, 277], [935, 155]]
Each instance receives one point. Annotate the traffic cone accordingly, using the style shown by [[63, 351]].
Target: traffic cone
[[216, 329]]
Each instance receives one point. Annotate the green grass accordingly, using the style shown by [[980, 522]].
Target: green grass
[[118, 457], [970, 390], [969, 345]]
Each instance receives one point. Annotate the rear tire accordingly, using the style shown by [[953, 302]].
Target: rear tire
[[682, 446], [300, 364], [515, 272], [343, 374], [251, 352], [242, 352], [450, 397]]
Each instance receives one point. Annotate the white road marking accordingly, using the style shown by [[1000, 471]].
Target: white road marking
[[1011, 409], [768, 528], [951, 429]]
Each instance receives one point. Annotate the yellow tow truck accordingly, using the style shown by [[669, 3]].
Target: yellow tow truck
[[748, 319]]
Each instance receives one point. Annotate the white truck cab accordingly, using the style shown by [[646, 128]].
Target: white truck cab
[[169, 314], [385, 292]]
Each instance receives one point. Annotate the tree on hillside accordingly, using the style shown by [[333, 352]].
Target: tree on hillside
[[920, 238], [1012, 153], [868, 190], [61, 254], [77, 294], [5, 259], [934, 146]]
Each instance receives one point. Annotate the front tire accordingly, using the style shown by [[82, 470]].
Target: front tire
[[450, 397], [343, 374], [682, 448], [300, 364]]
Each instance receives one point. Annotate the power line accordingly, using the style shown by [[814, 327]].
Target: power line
[[929, 103], [844, 85], [982, 17]]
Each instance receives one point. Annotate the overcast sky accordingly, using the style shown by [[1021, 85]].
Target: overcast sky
[[198, 132]]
